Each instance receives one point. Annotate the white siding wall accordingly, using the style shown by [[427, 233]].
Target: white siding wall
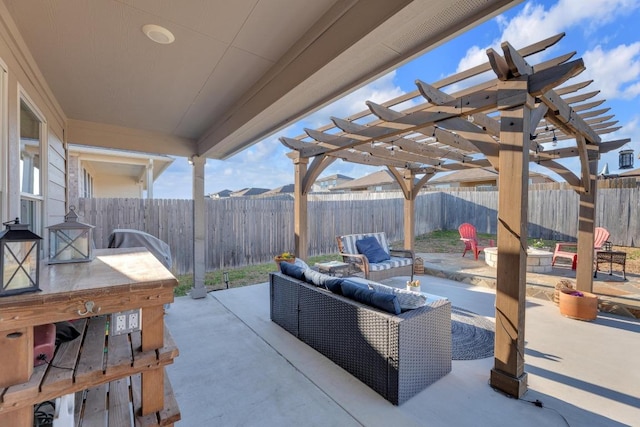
[[56, 194], [23, 73]]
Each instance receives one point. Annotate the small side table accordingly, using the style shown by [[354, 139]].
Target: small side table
[[333, 268], [611, 257]]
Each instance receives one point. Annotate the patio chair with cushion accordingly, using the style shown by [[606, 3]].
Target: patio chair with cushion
[[371, 254], [470, 238], [569, 250]]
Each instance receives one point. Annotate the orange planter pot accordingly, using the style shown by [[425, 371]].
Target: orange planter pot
[[278, 260], [576, 307]]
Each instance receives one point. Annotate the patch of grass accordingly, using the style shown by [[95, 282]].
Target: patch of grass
[[443, 241], [239, 276]]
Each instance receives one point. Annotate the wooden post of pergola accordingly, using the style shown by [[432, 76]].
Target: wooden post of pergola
[[515, 104], [406, 180], [586, 228], [300, 215], [409, 211]]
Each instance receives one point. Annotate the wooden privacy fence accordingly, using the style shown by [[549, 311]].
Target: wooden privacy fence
[[243, 231]]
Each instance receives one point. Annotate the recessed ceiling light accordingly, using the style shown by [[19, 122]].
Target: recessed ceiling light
[[158, 34]]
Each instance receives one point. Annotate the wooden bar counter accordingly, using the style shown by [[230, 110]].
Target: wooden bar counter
[[116, 280]]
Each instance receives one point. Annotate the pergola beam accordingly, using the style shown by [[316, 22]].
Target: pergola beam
[[409, 144], [318, 164]]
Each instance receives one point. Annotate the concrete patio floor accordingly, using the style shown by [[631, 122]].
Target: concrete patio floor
[[237, 368]]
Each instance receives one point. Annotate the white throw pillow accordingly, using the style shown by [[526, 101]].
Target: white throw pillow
[[408, 300], [315, 277], [301, 263]]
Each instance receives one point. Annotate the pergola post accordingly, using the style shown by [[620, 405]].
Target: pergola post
[[409, 211], [586, 227], [300, 215], [199, 226], [515, 104]]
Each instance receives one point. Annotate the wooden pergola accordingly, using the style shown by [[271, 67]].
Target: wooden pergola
[[510, 119]]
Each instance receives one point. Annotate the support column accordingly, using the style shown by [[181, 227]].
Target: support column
[[300, 215], [150, 179], [199, 226], [586, 227], [515, 104]]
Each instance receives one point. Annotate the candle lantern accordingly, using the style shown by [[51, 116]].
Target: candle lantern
[[71, 240], [19, 259]]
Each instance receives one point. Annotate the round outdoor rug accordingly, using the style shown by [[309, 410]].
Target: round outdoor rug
[[472, 336]]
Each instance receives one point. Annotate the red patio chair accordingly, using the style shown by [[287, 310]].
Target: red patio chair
[[600, 235], [470, 238]]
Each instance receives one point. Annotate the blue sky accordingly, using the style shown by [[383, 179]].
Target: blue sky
[[604, 33]]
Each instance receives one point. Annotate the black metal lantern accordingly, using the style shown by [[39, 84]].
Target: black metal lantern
[[19, 259], [625, 159], [71, 240]]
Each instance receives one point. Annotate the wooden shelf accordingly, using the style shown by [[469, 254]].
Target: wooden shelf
[[118, 399], [90, 360]]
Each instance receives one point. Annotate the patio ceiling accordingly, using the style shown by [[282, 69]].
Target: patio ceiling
[[107, 162], [237, 71], [439, 131]]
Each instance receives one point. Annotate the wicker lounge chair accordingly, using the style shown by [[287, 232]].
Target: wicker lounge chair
[[399, 262]]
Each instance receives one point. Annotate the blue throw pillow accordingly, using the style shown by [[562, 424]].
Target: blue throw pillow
[[292, 270], [334, 285], [350, 286], [370, 248], [358, 292]]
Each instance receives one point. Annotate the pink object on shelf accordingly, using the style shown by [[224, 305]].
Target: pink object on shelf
[[44, 340]]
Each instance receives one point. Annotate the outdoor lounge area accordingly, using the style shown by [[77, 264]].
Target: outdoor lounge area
[[107, 75], [584, 373]]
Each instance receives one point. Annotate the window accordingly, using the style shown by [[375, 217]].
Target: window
[[31, 197], [87, 184]]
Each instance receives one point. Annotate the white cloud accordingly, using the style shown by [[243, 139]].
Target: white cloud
[[615, 72], [534, 23]]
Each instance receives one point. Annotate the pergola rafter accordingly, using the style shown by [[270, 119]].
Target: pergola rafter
[[427, 137], [507, 122]]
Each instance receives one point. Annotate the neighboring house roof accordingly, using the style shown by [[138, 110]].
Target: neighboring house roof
[[220, 194], [631, 172], [108, 161], [285, 189], [475, 175], [114, 87], [466, 175], [252, 191], [334, 176], [382, 177]]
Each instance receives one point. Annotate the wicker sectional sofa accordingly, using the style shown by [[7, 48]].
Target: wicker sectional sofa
[[396, 355]]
